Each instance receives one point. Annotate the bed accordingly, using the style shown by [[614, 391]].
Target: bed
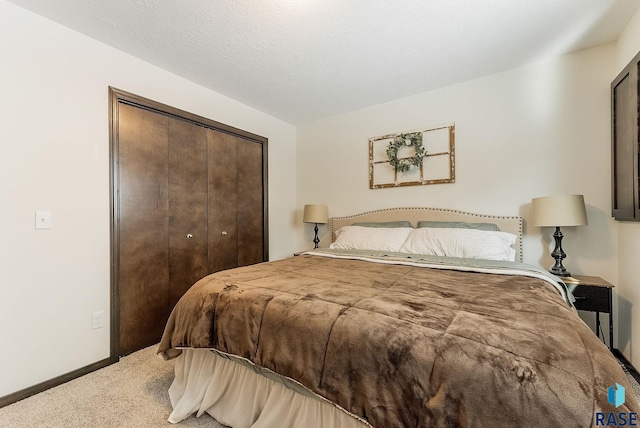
[[417, 317]]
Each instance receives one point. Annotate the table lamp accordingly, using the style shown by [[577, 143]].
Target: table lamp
[[557, 211], [318, 214]]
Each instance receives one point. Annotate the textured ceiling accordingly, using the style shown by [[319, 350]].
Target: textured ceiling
[[303, 60]]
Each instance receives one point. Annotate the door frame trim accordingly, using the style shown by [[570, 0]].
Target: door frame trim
[[116, 98]]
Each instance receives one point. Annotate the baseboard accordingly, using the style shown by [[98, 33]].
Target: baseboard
[[632, 370], [35, 389]]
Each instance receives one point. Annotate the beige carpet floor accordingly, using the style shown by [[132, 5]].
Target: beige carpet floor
[[131, 393], [128, 394]]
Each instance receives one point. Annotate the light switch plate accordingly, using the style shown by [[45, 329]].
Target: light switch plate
[[43, 219]]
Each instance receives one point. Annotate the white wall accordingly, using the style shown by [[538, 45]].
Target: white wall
[[628, 289], [538, 130], [533, 131], [54, 155]]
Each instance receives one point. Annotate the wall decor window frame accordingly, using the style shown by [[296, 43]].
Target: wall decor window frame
[[383, 175]]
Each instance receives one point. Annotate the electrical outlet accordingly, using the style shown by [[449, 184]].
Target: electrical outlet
[[43, 219], [97, 320]]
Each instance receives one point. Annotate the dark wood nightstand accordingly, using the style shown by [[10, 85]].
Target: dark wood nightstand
[[594, 294]]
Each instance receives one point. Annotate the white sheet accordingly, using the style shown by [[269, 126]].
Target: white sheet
[[238, 396]]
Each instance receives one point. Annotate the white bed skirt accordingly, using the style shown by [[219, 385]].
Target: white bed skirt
[[240, 394]]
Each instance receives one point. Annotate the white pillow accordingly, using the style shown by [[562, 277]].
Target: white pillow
[[465, 243], [370, 238]]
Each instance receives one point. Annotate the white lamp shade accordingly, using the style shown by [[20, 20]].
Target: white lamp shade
[[315, 214], [559, 210]]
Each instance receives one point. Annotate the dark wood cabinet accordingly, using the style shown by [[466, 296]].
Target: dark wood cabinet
[[625, 140], [188, 199]]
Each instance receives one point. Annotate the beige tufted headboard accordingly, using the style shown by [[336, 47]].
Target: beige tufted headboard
[[511, 224]]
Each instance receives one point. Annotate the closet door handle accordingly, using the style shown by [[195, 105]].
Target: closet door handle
[[224, 232], [189, 236]]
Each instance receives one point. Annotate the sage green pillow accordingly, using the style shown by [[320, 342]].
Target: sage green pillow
[[459, 225], [383, 224]]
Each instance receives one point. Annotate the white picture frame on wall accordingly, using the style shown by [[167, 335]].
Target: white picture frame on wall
[[437, 166]]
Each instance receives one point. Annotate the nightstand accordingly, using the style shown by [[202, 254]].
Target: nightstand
[[593, 294]]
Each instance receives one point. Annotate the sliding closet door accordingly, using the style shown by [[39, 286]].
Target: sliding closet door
[[143, 227], [187, 178]]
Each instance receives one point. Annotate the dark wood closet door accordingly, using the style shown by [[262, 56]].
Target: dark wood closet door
[[223, 201], [188, 248], [143, 227], [180, 187], [250, 203]]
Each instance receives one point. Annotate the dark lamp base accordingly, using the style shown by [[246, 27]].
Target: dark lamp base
[[316, 240], [560, 272], [558, 254]]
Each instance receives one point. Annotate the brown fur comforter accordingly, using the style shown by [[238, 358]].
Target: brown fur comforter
[[405, 346]]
